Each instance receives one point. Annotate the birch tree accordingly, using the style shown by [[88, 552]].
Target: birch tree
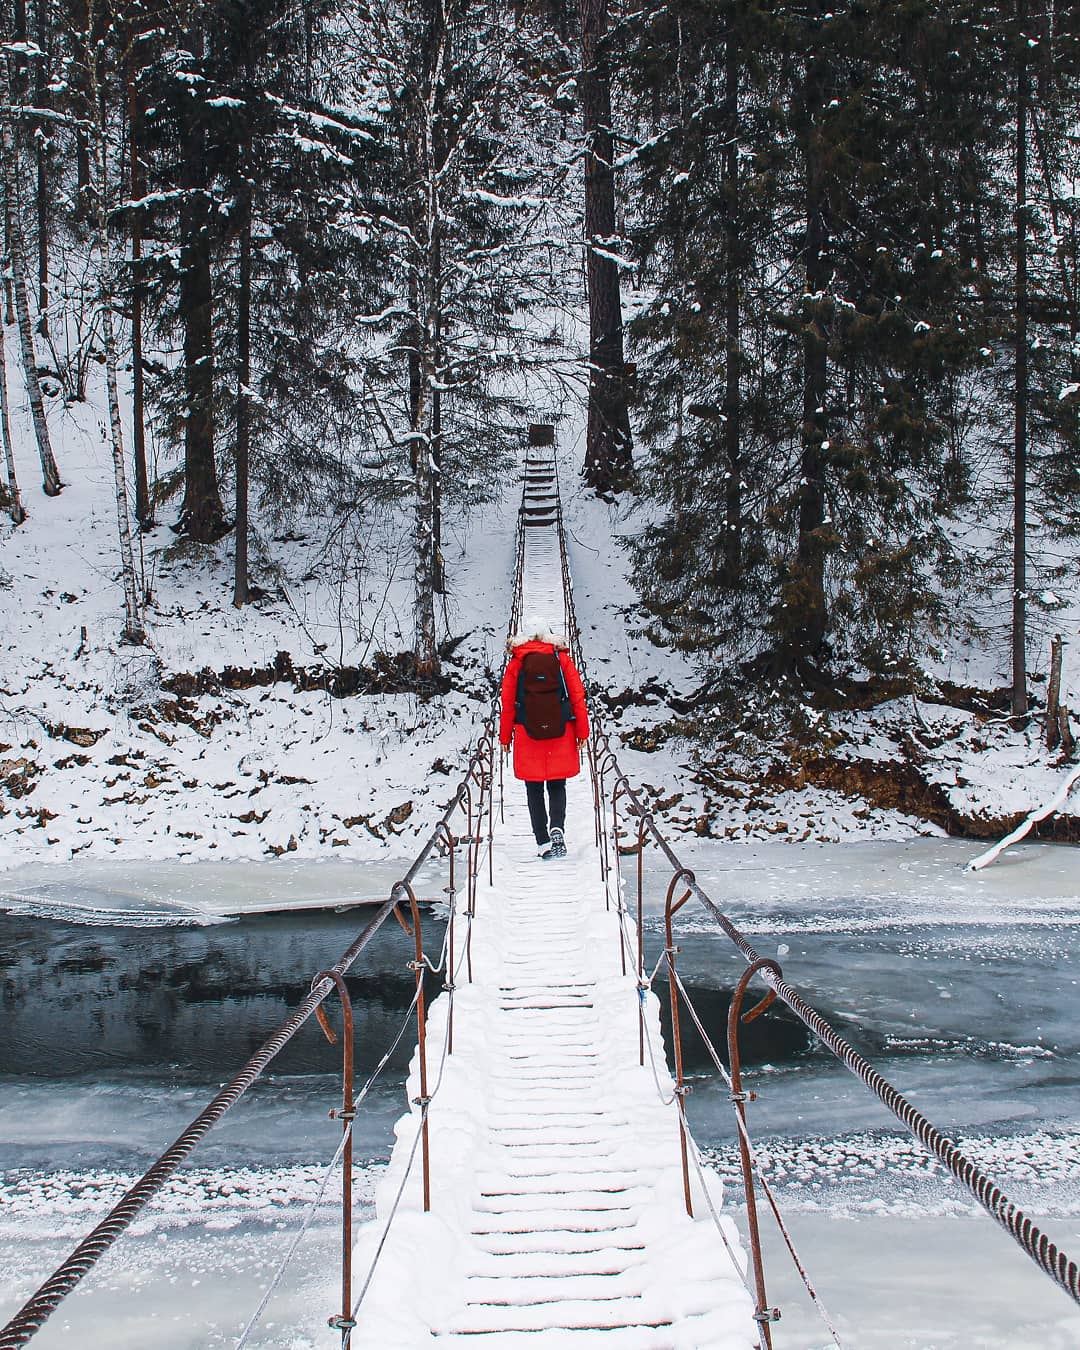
[[133, 630], [15, 506], [50, 474], [459, 193]]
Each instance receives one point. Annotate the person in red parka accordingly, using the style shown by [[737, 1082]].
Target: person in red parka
[[551, 761]]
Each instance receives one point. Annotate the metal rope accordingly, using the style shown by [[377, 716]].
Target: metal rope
[[291, 1250], [740, 1266], [297, 1238], [39, 1307], [667, 1101], [425, 1107], [1064, 1271], [763, 1180]]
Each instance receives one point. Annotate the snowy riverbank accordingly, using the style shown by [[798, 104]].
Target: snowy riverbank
[[228, 737]]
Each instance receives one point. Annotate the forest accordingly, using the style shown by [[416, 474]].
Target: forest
[[814, 268]]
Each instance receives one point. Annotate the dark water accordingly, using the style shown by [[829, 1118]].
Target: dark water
[[191, 1002], [978, 1023]]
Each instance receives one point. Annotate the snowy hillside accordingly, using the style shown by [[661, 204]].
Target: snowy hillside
[[221, 737], [227, 736]]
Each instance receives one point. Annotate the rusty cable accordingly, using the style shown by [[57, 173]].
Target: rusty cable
[[1062, 1269], [1039, 1246], [297, 1238], [40, 1306], [424, 1103], [44, 1301]]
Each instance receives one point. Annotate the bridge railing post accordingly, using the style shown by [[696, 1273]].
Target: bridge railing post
[[644, 824], [449, 843], [671, 908], [344, 1320], [763, 1314], [417, 965]]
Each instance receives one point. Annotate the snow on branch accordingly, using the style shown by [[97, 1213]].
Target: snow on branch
[[1027, 824]]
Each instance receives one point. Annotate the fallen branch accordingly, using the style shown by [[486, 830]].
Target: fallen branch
[[1027, 824]]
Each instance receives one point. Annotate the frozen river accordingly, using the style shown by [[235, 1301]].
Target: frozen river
[[125, 1010]]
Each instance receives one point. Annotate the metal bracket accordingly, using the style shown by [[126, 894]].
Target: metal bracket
[[340, 1323], [767, 1315], [742, 1096], [336, 1114]]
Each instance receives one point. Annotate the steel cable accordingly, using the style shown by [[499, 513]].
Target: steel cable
[[291, 1250], [425, 1108], [36, 1310], [1063, 1270], [44, 1301], [298, 1236], [763, 1181]]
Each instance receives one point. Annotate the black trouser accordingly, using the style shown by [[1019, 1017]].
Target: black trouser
[[538, 815]]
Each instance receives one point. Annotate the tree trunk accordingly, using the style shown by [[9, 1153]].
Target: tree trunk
[[806, 616], [202, 516], [144, 507], [1019, 605], [15, 506], [243, 401], [50, 475], [438, 571], [425, 646], [732, 335], [1068, 741], [133, 627], [608, 443], [41, 95], [82, 151], [1053, 694], [424, 377]]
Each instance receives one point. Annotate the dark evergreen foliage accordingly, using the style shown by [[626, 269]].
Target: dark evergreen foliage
[[334, 225], [863, 223]]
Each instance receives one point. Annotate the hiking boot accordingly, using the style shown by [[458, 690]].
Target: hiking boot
[[558, 844]]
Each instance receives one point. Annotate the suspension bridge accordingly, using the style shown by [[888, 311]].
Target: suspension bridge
[[544, 1189], [558, 1206]]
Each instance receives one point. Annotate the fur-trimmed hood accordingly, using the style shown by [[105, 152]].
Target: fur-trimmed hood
[[535, 628]]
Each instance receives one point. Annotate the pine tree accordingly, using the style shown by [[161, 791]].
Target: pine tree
[[849, 234]]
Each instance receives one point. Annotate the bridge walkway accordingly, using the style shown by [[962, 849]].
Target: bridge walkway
[[557, 1206]]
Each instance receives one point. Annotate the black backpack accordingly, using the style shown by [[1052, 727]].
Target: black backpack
[[543, 702]]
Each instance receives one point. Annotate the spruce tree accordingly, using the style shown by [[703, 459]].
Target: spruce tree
[[449, 207]]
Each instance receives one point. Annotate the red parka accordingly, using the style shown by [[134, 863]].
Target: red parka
[[539, 761]]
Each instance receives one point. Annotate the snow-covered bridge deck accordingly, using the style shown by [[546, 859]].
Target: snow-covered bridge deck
[[557, 1210]]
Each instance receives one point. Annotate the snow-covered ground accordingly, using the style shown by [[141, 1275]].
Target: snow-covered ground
[[112, 752], [168, 809]]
